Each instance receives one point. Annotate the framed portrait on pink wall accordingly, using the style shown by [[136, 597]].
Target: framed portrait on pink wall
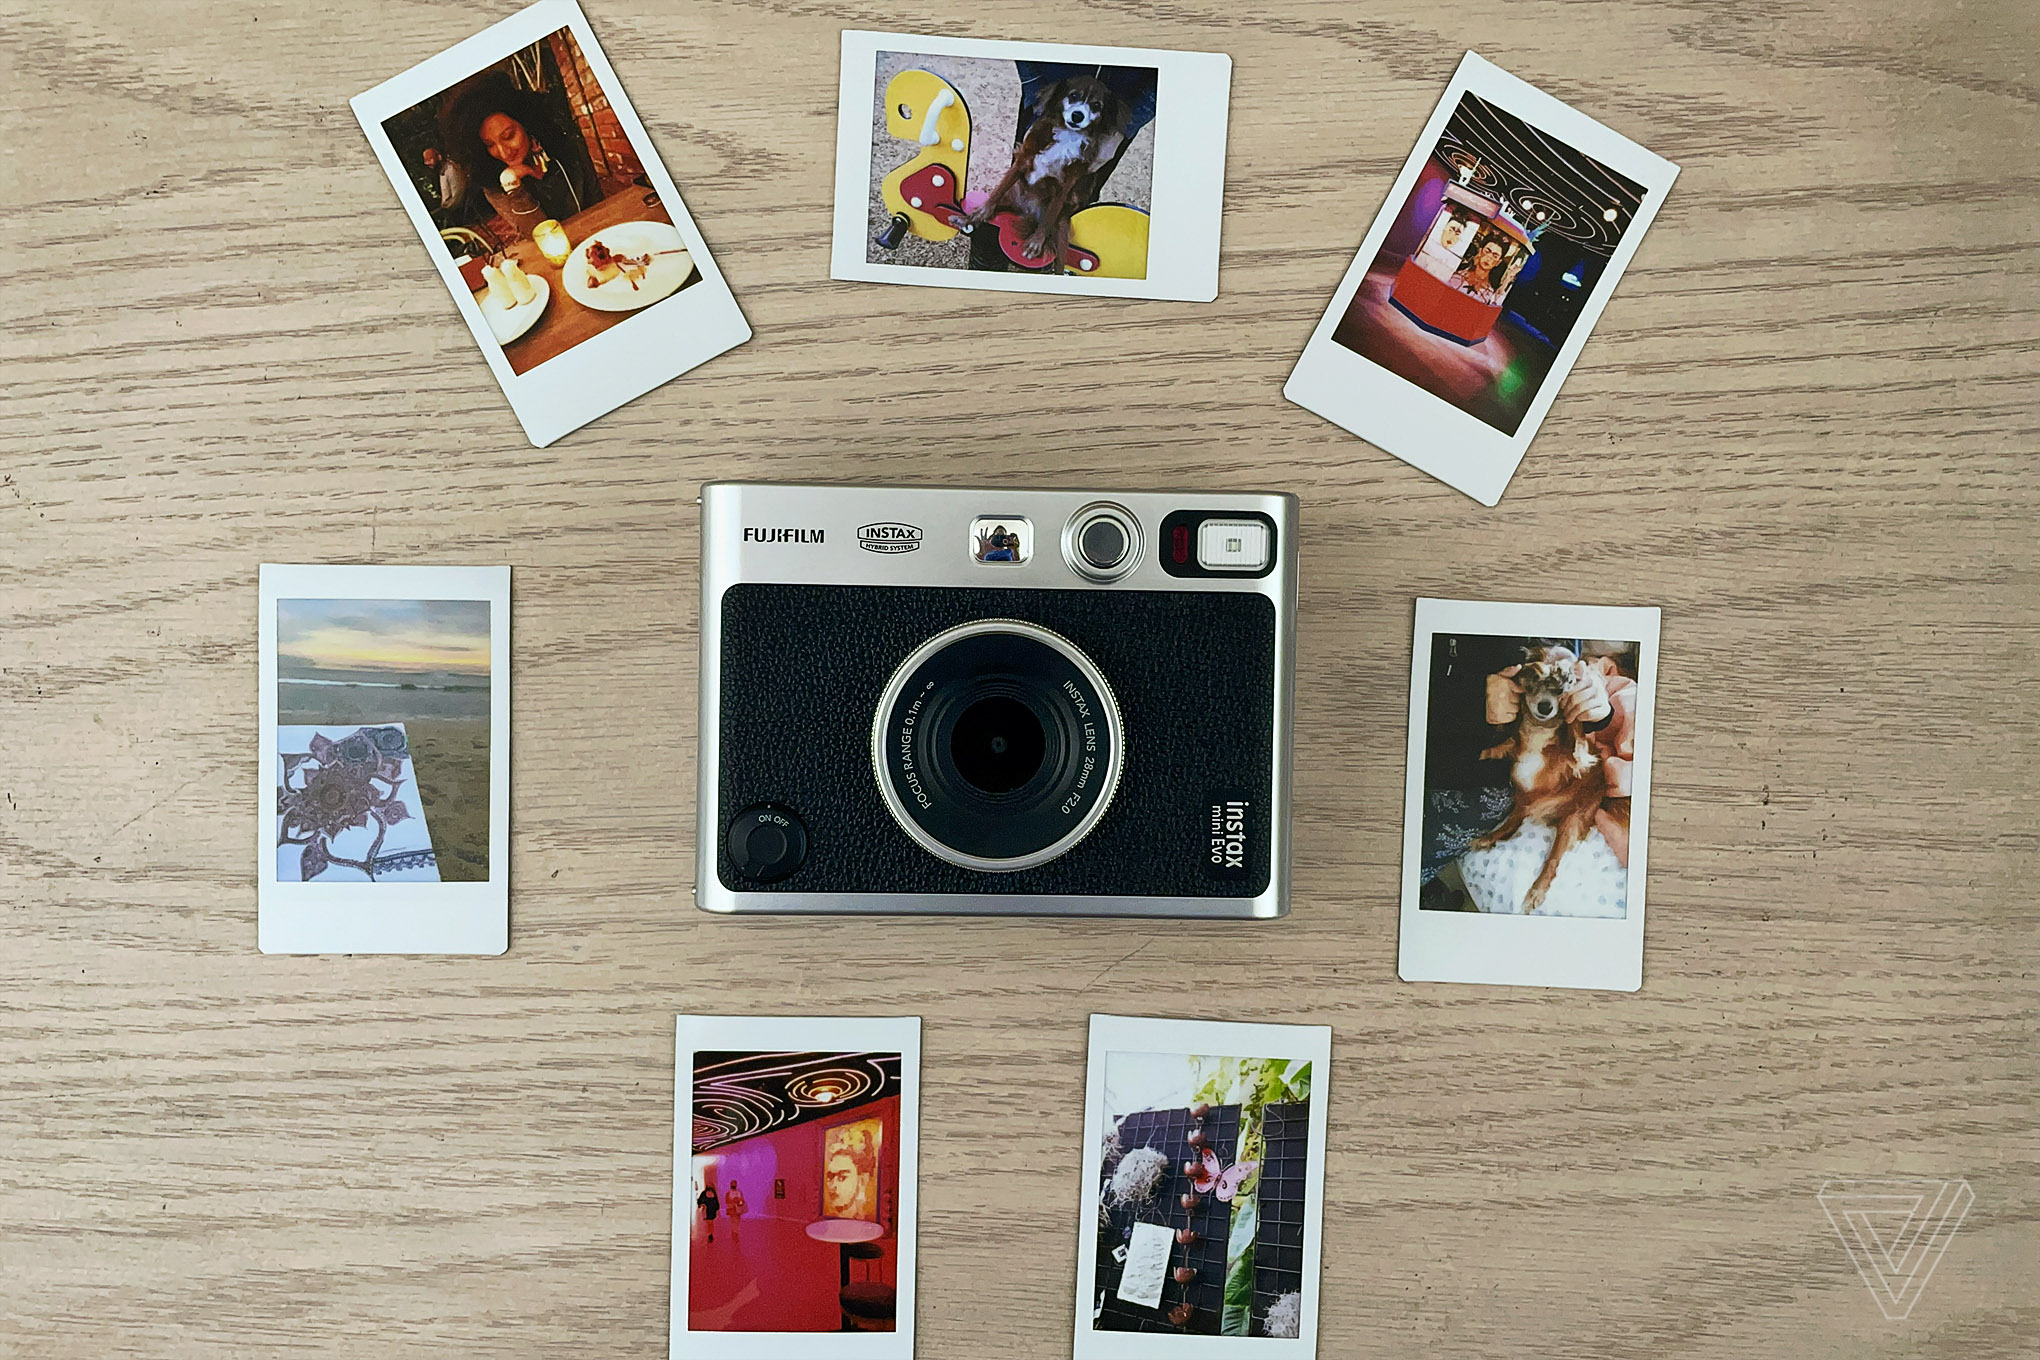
[[850, 1162]]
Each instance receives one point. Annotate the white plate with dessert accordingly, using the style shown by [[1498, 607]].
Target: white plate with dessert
[[627, 266], [514, 301]]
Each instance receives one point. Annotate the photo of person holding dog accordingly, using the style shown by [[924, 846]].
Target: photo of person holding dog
[[1528, 771], [1030, 167]]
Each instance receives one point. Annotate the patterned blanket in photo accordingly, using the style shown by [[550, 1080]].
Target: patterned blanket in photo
[[347, 807]]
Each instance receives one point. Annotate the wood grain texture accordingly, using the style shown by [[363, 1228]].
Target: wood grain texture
[[1805, 427]]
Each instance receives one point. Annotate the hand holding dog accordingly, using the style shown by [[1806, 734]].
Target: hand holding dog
[[1586, 699], [1504, 699]]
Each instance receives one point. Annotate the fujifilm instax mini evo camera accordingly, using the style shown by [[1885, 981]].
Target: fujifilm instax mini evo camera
[[997, 701]]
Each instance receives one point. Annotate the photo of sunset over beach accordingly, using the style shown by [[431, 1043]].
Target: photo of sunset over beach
[[422, 665]]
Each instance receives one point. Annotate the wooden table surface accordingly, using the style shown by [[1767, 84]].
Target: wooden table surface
[[1805, 427]]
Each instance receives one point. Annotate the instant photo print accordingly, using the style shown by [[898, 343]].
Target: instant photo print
[[794, 1187], [1203, 1196], [383, 821], [1030, 167], [551, 219], [1526, 815], [1474, 290]]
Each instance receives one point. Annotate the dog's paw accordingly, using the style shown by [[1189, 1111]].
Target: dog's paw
[[1034, 247], [1533, 899]]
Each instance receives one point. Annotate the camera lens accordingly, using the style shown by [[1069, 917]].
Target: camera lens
[[997, 745]]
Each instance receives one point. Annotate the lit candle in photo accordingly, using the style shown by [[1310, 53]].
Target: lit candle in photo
[[551, 239]]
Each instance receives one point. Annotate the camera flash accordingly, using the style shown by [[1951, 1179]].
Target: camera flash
[[1232, 545]]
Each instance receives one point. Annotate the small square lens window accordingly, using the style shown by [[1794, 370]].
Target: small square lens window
[[1001, 540]]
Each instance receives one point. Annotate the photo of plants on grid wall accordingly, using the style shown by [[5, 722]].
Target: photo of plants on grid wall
[[1205, 1162]]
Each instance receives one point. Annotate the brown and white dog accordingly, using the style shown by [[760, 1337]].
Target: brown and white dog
[[1078, 126], [1558, 777]]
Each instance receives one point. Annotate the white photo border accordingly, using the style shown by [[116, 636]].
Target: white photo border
[[1186, 201], [1527, 951], [797, 1034], [1200, 1038], [385, 918], [630, 358], [1395, 414]]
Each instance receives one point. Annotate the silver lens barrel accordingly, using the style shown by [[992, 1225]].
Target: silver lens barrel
[[997, 745]]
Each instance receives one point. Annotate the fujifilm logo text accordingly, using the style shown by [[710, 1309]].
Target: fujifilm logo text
[[782, 535]]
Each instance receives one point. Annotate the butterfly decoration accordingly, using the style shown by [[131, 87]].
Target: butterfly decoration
[[1209, 1177]]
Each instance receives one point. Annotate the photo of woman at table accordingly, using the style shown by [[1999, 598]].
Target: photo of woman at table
[[542, 200]]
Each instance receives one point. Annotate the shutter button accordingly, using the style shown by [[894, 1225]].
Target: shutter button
[[767, 842], [1103, 544]]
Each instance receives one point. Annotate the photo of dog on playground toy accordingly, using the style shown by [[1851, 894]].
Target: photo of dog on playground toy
[[1034, 167]]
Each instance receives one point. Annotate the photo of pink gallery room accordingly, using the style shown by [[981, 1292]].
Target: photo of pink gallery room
[[1489, 263], [795, 1185]]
